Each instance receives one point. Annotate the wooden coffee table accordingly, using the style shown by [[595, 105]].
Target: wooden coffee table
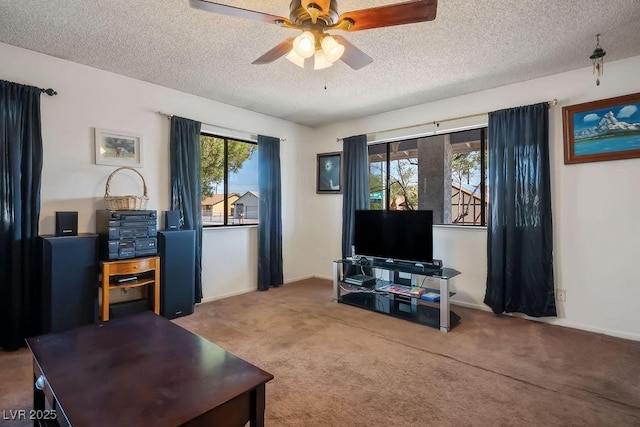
[[144, 370]]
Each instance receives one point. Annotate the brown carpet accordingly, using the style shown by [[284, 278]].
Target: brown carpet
[[337, 365]]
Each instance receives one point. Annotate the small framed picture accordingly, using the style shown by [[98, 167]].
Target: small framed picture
[[329, 177], [608, 129], [118, 148]]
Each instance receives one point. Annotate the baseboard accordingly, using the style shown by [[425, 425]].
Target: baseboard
[[469, 305], [227, 295], [297, 279], [246, 291], [555, 321], [582, 327]]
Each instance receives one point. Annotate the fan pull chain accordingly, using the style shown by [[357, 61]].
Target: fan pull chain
[[325, 82]]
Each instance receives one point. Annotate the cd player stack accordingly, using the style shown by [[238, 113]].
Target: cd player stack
[[126, 234]]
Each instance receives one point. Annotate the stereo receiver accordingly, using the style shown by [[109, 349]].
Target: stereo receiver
[[126, 234]]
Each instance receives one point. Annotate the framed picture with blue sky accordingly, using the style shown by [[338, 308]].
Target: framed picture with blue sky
[[608, 129]]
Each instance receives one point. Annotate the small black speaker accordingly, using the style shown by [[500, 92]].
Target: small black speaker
[[66, 223], [172, 220]]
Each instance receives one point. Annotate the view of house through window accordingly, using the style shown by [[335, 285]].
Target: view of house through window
[[229, 181], [444, 173]]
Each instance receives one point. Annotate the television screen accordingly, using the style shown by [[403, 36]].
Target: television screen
[[397, 235]]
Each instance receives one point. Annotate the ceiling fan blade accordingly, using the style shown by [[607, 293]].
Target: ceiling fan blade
[[223, 9], [276, 52], [395, 14], [352, 56], [323, 4]]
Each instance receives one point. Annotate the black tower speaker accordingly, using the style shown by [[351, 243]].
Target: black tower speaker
[[177, 251], [66, 223], [69, 276]]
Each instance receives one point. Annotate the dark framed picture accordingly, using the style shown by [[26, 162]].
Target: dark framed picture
[[608, 129], [329, 176]]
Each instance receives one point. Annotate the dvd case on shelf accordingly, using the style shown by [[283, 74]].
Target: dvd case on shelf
[[430, 296]]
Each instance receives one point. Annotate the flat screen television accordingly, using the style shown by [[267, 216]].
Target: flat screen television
[[396, 235]]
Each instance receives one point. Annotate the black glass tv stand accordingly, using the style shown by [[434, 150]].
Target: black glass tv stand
[[385, 296]]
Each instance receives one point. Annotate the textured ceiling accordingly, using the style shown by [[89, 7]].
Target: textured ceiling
[[470, 46]]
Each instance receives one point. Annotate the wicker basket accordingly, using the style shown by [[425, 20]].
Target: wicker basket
[[130, 203]]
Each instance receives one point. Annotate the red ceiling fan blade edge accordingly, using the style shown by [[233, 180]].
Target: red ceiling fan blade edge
[[395, 14]]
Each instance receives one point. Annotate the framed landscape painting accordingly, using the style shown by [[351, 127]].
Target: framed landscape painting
[[608, 129], [118, 148]]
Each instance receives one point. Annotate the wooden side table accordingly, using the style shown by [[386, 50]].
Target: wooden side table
[[143, 370], [130, 273]]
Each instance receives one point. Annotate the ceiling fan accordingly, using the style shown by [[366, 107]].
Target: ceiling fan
[[316, 17]]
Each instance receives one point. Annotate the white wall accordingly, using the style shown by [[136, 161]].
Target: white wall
[[596, 206], [89, 98]]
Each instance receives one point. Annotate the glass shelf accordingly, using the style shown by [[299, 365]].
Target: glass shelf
[[404, 267], [378, 297]]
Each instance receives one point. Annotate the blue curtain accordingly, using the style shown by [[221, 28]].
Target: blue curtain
[[270, 214], [20, 176], [355, 195], [186, 185], [520, 242]]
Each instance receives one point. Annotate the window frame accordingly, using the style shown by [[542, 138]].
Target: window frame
[[225, 181], [483, 172]]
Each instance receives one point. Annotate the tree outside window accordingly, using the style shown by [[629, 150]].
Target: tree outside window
[[412, 175], [229, 181]]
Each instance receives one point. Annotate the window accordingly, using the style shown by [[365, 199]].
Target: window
[[444, 173], [229, 181]]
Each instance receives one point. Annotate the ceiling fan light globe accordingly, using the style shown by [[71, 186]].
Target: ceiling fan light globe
[[295, 58], [332, 49], [320, 60], [305, 44]]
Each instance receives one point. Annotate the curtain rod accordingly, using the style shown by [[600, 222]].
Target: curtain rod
[[252, 134], [48, 91], [437, 122]]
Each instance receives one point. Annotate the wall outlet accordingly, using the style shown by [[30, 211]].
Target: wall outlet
[[561, 295]]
